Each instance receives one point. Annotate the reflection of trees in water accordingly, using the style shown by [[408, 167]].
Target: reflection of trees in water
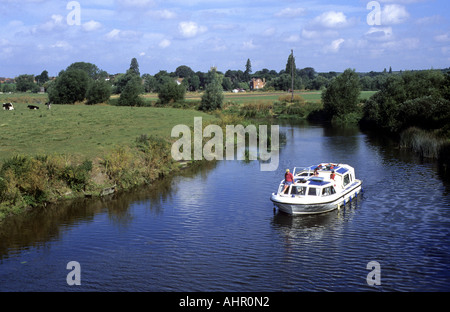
[[37, 227], [44, 224], [390, 152], [341, 142]]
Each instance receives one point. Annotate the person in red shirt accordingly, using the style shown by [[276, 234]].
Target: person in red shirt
[[332, 175], [288, 180]]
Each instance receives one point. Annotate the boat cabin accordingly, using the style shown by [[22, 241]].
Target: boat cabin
[[321, 180]]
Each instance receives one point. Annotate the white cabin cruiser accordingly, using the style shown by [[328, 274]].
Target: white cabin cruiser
[[317, 189]]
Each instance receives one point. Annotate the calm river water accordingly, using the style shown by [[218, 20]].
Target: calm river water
[[215, 229]]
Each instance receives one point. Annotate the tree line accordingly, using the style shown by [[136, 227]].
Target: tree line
[[411, 99], [301, 79], [404, 98]]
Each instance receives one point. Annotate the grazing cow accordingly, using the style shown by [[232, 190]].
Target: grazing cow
[[49, 105], [8, 106], [33, 107]]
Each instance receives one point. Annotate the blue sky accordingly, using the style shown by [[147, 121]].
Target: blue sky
[[39, 35]]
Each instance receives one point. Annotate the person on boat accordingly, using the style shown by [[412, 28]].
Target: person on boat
[[332, 175], [288, 180], [316, 172]]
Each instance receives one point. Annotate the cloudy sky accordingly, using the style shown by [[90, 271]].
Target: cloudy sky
[[327, 35]]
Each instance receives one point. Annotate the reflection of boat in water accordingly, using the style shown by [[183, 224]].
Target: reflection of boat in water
[[317, 189]]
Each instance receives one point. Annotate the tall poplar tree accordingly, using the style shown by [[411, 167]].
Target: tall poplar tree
[[248, 70]]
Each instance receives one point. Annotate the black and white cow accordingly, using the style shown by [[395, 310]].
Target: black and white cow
[[8, 106], [49, 105], [33, 107]]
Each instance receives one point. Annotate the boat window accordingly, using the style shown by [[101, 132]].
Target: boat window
[[300, 190], [346, 179], [280, 190], [328, 191], [312, 191]]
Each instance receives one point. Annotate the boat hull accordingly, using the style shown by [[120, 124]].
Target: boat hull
[[294, 206]]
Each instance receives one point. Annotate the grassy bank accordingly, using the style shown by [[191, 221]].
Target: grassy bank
[[77, 150], [428, 144]]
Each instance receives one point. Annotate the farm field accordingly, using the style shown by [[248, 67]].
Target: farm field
[[245, 97], [89, 131], [82, 130]]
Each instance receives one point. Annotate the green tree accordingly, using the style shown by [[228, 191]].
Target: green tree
[[184, 71], [248, 70], [150, 83], [194, 83], [8, 87], [120, 82], [213, 97], [130, 95], [25, 83], [90, 69], [342, 95], [99, 92], [413, 98], [290, 65], [69, 87], [134, 67], [227, 84], [162, 78], [318, 83], [42, 78], [171, 92]]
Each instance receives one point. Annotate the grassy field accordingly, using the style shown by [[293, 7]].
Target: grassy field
[[80, 130], [246, 97], [91, 130]]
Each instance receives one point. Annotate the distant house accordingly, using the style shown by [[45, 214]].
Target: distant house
[[179, 81], [257, 83], [6, 80]]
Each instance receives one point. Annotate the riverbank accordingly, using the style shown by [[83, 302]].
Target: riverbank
[[74, 151], [74, 168]]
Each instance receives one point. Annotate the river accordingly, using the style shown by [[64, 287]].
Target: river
[[213, 228]]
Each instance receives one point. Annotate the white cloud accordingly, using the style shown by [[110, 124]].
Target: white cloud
[[292, 38], [123, 35], [56, 21], [403, 44], [442, 38], [331, 19], [91, 26], [136, 3], [380, 33], [190, 29], [248, 45], [290, 12], [113, 34], [427, 20], [335, 46], [402, 1], [315, 34], [162, 14], [269, 32], [394, 14], [164, 43], [64, 45]]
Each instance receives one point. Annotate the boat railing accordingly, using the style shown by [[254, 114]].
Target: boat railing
[[300, 169]]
